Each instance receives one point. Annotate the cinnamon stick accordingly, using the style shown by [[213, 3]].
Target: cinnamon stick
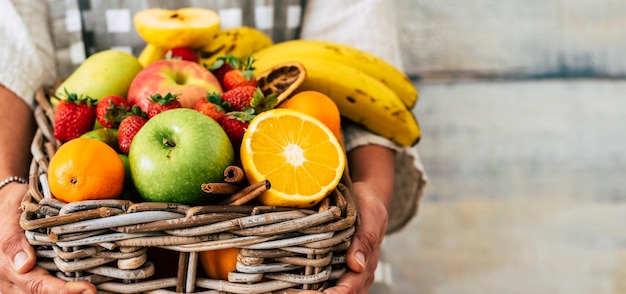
[[234, 174], [246, 194], [220, 188]]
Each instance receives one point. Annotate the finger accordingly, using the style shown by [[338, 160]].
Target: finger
[[8, 287], [18, 273], [15, 251], [369, 234], [351, 283], [39, 281]]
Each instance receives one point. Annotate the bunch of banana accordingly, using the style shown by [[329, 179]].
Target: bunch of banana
[[370, 64], [238, 41], [367, 89]]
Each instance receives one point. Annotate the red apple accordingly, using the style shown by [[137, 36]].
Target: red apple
[[188, 79]]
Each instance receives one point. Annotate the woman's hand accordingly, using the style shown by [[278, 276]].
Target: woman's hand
[[365, 249], [362, 257], [372, 170], [18, 273]]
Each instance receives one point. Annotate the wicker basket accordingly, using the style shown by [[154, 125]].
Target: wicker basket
[[111, 243]]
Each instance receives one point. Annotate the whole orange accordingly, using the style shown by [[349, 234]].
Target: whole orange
[[319, 106], [219, 262], [85, 169]]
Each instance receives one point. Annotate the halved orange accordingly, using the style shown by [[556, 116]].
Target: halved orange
[[298, 154]]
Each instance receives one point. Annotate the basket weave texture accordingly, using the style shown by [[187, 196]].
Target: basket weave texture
[[108, 242]]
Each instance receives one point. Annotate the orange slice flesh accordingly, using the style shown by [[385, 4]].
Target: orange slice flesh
[[300, 156]]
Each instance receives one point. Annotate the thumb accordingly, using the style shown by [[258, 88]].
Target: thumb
[[360, 251], [14, 247], [365, 248], [24, 257]]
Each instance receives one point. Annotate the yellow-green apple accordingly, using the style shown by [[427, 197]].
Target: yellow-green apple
[[188, 79], [177, 151], [107, 72]]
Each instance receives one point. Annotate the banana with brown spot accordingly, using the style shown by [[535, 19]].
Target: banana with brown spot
[[359, 97], [366, 62]]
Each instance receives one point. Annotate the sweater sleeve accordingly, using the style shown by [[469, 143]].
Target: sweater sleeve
[[370, 26], [26, 51]]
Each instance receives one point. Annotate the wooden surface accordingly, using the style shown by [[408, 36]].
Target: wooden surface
[[526, 192], [518, 38]]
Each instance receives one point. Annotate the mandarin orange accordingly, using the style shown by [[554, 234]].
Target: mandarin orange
[[85, 169], [319, 106], [219, 262]]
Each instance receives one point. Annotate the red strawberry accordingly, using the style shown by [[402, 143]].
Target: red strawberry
[[241, 72], [239, 98], [235, 124], [237, 78], [212, 106], [223, 65], [129, 127], [181, 53], [243, 97], [74, 116], [111, 109], [160, 103]]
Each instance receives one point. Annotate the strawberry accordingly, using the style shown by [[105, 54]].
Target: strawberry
[[74, 116], [111, 109], [181, 53], [160, 103], [212, 106], [129, 127], [239, 98], [243, 97], [235, 124], [223, 65], [237, 78], [240, 74]]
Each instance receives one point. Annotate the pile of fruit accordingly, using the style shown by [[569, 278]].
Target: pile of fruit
[[200, 99]]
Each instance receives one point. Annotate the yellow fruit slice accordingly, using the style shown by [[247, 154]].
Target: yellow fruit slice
[[186, 27], [300, 156]]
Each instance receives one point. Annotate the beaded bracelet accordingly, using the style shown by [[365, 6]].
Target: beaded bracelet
[[12, 179]]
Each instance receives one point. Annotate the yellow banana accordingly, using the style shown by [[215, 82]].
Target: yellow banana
[[150, 54], [239, 41], [359, 97], [370, 64]]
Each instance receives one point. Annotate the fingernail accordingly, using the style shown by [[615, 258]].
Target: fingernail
[[19, 260], [360, 258]]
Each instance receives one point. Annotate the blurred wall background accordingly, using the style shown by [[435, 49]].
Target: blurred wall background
[[520, 39], [522, 111]]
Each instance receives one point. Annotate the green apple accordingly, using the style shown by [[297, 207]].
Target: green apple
[[177, 151], [107, 72], [129, 192]]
